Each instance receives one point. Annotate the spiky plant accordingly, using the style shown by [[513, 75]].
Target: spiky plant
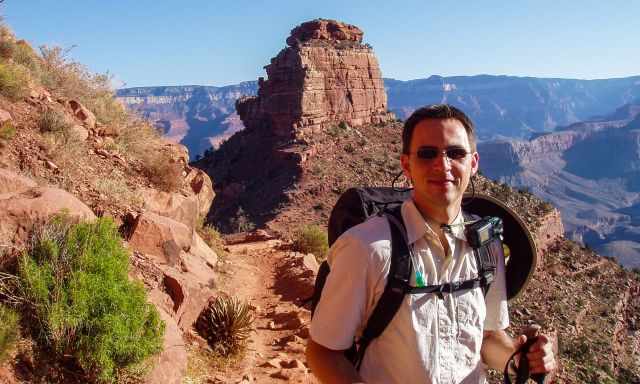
[[225, 323]]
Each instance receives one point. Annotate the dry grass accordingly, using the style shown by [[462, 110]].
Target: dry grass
[[203, 364], [115, 188], [162, 171], [14, 80], [212, 237]]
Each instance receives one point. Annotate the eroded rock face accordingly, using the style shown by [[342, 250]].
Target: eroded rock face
[[170, 365], [176, 206], [326, 76], [183, 262], [202, 187]]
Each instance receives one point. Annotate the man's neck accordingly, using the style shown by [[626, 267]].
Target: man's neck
[[446, 215]]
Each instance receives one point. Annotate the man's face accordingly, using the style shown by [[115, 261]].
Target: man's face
[[440, 182]]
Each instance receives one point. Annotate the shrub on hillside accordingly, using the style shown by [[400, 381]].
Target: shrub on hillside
[[226, 324], [52, 121], [14, 81], [7, 42], [73, 80], [80, 302], [8, 330], [241, 222], [163, 172], [312, 239], [7, 130], [25, 55]]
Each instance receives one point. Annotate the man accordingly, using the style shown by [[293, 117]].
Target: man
[[431, 339]]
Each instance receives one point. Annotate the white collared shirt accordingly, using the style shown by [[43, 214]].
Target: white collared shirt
[[430, 340]]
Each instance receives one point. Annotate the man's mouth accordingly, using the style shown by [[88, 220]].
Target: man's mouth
[[441, 182]]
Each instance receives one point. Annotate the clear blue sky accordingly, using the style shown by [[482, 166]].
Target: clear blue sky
[[214, 42]]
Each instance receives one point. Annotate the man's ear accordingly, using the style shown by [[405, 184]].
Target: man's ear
[[406, 166], [475, 162]]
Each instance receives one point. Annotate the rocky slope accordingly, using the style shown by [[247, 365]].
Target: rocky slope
[[589, 170], [58, 156]]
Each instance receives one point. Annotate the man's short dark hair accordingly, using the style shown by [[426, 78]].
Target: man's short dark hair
[[436, 111]]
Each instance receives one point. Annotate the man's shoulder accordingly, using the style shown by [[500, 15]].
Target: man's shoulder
[[372, 230]]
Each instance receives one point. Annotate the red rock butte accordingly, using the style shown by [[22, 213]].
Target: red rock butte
[[324, 77]]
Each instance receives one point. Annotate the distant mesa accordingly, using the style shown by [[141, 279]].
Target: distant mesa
[[324, 77]]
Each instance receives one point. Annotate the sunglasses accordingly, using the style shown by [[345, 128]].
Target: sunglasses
[[453, 153]]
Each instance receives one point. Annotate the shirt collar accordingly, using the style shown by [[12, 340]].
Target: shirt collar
[[416, 225]]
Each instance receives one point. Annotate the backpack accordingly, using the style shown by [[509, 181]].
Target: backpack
[[357, 205]]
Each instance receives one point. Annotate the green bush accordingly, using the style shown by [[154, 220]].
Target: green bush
[[53, 121], [312, 239], [80, 301], [8, 330], [241, 222], [226, 324], [7, 130], [14, 81]]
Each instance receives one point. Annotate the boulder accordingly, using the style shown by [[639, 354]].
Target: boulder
[[170, 366], [184, 209], [83, 114], [20, 211], [79, 131], [200, 184], [5, 116], [160, 237]]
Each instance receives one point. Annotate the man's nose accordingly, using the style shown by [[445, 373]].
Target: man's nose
[[442, 161]]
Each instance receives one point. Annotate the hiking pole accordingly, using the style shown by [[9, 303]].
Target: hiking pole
[[522, 371]]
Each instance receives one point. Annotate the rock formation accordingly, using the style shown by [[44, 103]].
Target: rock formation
[[326, 76], [325, 80]]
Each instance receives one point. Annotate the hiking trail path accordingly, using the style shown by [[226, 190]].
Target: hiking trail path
[[274, 281]]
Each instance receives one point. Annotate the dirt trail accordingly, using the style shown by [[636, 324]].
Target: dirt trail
[[273, 280]]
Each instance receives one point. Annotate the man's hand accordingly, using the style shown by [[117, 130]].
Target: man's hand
[[497, 347], [329, 366], [541, 357]]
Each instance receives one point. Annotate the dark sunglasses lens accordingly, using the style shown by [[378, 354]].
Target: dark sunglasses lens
[[456, 153], [427, 153]]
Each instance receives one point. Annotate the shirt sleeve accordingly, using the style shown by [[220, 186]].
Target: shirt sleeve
[[496, 301], [346, 296]]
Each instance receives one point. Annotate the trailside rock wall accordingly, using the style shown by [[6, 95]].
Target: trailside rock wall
[[326, 76]]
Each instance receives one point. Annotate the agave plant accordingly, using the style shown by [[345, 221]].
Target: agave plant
[[226, 324]]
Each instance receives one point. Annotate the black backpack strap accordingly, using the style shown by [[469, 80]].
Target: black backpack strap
[[485, 260], [394, 290]]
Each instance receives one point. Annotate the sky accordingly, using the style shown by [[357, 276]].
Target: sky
[[161, 42]]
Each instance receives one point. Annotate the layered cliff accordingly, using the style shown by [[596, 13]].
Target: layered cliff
[[591, 170], [199, 117], [326, 76]]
